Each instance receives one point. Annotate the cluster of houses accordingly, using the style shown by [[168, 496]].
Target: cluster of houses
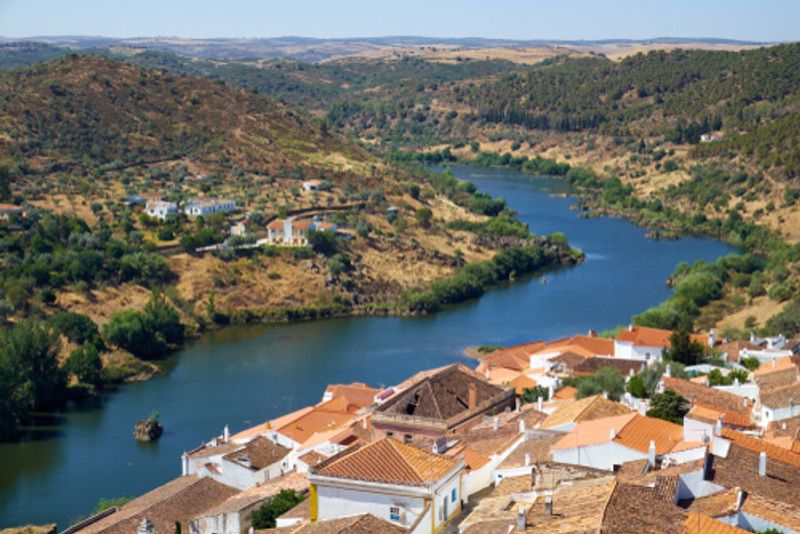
[[158, 208], [454, 448]]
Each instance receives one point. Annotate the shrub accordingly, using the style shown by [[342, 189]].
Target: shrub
[[606, 380], [129, 330], [751, 363], [84, 362], [76, 327], [265, 515], [338, 264], [668, 406], [423, 217], [530, 395], [636, 387], [322, 242]]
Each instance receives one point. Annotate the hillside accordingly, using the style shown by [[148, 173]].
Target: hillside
[[81, 133]]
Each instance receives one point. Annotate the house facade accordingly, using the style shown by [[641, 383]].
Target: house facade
[[203, 207], [161, 209], [295, 232], [394, 481]]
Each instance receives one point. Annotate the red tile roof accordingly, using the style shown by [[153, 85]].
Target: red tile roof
[[387, 461], [652, 337]]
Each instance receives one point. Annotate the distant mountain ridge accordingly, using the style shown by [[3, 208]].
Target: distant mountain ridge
[[318, 49]]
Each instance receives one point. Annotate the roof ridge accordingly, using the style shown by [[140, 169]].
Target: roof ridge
[[394, 443]]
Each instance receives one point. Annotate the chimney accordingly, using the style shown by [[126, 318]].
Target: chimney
[[522, 425], [712, 338], [612, 433], [472, 396], [548, 505], [550, 392], [517, 404], [642, 407], [486, 373], [630, 327], [145, 527], [774, 362], [762, 464], [651, 453], [540, 403], [495, 423], [668, 370], [718, 428], [527, 459], [226, 434], [739, 498], [605, 395], [184, 464], [522, 519]]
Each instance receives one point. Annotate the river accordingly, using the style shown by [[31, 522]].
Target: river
[[241, 376]]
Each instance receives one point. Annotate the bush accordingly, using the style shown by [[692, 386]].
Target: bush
[[265, 515], [322, 242], [145, 268], [129, 330], [636, 387], [782, 292], [486, 205], [751, 363], [84, 362], [668, 406], [530, 395], [76, 327], [423, 217], [683, 349], [338, 264], [606, 380]]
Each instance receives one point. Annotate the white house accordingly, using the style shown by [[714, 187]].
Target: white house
[[779, 404], [203, 207], [161, 209], [239, 465], [391, 480], [312, 185], [293, 232], [611, 441], [648, 344]]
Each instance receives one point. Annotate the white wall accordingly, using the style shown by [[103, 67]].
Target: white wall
[[476, 480], [685, 456], [604, 456], [778, 414], [747, 390], [692, 485], [694, 430], [341, 501], [629, 351]]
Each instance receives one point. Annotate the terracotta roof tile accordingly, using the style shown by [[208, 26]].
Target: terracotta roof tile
[[359, 524], [734, 348], [635, 510], [356, 393], [731, 405], [652, 337], [537, 448], [700, 523], [586, 409], [388, 461], [473, 460], [516, 358], [638, 433], [754, 444], [260, 452], [715, 505], [565, 393], [781, 397], [781, 513], [593, 432]]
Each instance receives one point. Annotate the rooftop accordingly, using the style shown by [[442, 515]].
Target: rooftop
[[357, 393], [387, 461], [631, 430], [357, 524], [652, 337], [442, 396], [782, 397], [516, 358], [733, 406], [586, 409], [259, 453]]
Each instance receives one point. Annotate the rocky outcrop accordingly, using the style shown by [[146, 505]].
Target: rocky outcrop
[[148, 430]]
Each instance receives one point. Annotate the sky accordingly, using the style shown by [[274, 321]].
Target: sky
[[756, 20]]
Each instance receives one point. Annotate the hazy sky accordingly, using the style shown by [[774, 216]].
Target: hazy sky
[[761, 20]]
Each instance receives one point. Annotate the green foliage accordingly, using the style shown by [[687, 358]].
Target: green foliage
[[484, 204], [423, 217], [147, 334], [786, 322], [751, 363], [683, 349], [84, 362], [473, 279], [30, 378], [716, 378], [338, 264], [636, 387], [606, 380], [76, 327], [265, 515], [111, 502], [651, 376], [145, 268], [500, 226], [783, 291], [531, 395], [668, 406], [322, 242]]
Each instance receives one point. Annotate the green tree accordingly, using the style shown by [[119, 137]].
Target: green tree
[[636, 387], [76, 327], [322, 242], [265, 515], [163, 319], [84, 362], [5, 183], [683, 349], [652, 375], [530, 395], [606, 380], [668, 406], [423, 217], [751, 363], [130, 330], [112, 502]]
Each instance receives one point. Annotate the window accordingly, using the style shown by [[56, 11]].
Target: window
[[407, 438], [394, 513], [453, 495], [389, 434]]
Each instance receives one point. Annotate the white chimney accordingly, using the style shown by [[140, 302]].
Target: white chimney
[[364, 423], [522, 425], [486, 373], [540, 403], [651, 453], [739, 498], [145, 527], [184, 464], [630, 327], [548, 505], [226, 434], [612, 433], [668, 370], [550, 392], [495, 423], [718, 428], [642, 407], [527, 459], [522, 519], [774, 362], [605, 395], [517, 405], [762, 464]]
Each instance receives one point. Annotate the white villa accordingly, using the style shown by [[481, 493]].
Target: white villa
[[293, 232], [203, 207]]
